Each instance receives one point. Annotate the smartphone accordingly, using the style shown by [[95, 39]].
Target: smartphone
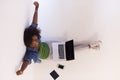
[[60, 66]]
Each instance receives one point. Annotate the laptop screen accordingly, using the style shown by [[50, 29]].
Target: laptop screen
[[69, 45]]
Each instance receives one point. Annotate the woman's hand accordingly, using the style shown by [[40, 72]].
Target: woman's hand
[[19, 72], [36, 4]]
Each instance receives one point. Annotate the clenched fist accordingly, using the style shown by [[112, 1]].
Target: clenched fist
[[36, 4]]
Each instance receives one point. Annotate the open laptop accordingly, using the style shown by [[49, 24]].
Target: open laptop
[[63, 50]]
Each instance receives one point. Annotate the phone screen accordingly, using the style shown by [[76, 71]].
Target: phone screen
[[60, 66]]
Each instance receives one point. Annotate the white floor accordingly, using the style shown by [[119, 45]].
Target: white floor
[[81, 20]]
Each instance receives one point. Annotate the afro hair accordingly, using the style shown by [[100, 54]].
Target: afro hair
[[29, 33]]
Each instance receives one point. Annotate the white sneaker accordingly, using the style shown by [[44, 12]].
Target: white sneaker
[[95, 45]]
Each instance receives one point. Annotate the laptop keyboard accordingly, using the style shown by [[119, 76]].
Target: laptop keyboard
[[61, 51]]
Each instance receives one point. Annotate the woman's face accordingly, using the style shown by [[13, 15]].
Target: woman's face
[[35, 42]]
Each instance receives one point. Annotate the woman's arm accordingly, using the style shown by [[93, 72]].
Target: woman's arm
[[24, 66], [35, 16]]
